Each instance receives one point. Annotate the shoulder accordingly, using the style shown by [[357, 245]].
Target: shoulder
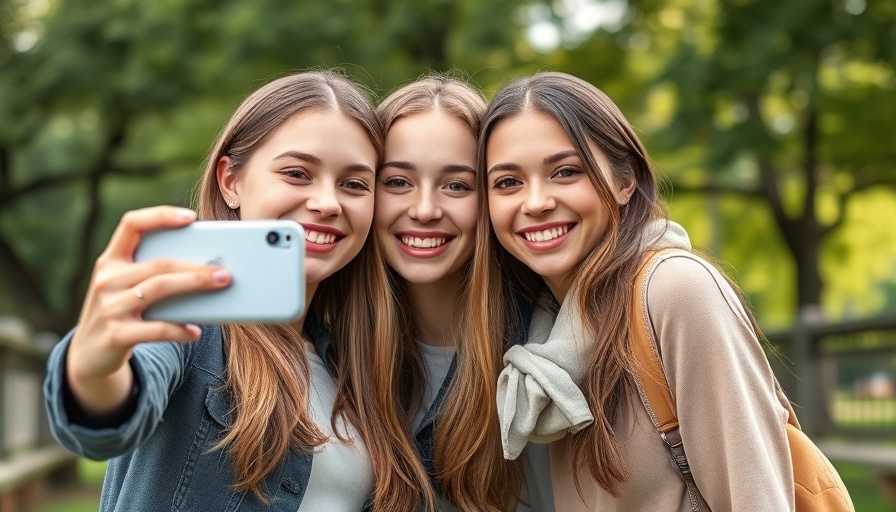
[[208, 352], [683, 284], [685, 280]]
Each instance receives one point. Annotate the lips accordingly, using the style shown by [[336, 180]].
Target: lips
[[423, 244], [321, 238], [546, 232]]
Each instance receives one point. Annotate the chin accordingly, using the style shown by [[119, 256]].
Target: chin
[[420, 277]]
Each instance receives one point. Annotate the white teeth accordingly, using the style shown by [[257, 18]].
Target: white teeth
[[422, 243], [546, 235], [316, 237]]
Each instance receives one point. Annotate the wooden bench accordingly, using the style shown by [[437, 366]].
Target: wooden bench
[[881, 458], [23, 476]]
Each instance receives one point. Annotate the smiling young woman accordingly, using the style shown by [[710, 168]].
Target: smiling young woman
[[575, 213], [249, 416], [426, 224]]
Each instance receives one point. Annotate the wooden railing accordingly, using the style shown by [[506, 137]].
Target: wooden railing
[[30, 459], [841, 376], [842, 379]]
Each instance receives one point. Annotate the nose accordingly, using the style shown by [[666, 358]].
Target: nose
[[426, 209], [324, 201], [538, 200]]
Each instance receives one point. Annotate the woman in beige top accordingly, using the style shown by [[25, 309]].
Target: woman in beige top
[[573, 204]]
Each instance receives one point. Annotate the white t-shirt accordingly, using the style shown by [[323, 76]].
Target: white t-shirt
[[436, 362], [341, 473]]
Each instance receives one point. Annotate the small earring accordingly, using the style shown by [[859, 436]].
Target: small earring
[[231, 203]]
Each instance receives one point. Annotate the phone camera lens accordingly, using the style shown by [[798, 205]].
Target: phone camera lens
[[273, 237]]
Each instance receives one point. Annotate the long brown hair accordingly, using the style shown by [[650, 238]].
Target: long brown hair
[[602, 285], [470, 469], [269, 400]]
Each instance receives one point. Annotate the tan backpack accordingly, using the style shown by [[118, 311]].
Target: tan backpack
[[817, 485]]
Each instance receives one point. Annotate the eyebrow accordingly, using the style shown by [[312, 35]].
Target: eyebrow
[[311, 159], [298, 155], [458, 168], [400, 164], [408, 166], [504, 167], [550, 159], [560, 156]]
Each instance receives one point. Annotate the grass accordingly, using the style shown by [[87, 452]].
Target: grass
[[864, 488]]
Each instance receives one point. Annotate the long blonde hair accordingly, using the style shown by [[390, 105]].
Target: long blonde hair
[[603, 280], [469, 467], [269, 400]]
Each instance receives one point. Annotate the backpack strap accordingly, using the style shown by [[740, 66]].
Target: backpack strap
[[651, 380]]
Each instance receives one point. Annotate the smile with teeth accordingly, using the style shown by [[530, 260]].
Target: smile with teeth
[[423, 243], [547, 234], [316, 237]]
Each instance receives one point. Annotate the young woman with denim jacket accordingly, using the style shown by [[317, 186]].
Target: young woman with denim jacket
[[426, 227], [248, 416]]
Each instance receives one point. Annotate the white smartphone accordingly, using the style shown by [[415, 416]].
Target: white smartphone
[[264, 257]]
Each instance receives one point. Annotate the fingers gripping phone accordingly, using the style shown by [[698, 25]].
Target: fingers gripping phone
[[264, 257]]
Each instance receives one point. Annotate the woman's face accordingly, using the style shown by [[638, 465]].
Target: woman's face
[[318, 169], [426, 197], [543, 207]]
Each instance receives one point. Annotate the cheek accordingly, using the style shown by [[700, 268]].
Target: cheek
[[360, 213], [499, 212], [381, 225], [388, 210], [469, 215]]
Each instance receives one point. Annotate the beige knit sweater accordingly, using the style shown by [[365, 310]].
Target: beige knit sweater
[[730, 409]]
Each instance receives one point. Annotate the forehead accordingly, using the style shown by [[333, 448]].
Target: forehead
[[431, 136], [322, 132], [529, 134], [532, 138]]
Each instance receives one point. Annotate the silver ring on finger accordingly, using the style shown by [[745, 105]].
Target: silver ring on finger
[[139, 293]]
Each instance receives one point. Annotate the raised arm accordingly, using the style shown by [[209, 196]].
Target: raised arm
[[110, 324]]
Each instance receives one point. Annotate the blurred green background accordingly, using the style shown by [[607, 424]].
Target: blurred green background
[[772, 123]]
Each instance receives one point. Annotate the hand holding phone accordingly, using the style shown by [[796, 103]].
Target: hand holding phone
[[264, 257], [111, 322]]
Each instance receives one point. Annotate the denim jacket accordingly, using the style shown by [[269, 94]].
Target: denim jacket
[[425, 434], [162, 457]]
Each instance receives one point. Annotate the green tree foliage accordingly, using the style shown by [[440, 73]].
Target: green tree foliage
[[771, 119], [107, 106], [789, 101]]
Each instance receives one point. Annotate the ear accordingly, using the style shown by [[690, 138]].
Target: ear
[[625, 188], [227, 182]]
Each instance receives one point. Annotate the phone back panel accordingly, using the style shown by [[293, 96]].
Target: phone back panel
[[268, 279]]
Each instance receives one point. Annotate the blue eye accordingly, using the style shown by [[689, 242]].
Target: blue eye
[[396, 183]]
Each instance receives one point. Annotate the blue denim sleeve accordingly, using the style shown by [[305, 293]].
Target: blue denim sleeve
[[158, 367]]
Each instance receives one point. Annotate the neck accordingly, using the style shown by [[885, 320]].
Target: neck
[[559, 287], [432, 310]]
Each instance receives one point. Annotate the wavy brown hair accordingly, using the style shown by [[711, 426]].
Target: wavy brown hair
[[269, 400], [470, 470], [602, 283]]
